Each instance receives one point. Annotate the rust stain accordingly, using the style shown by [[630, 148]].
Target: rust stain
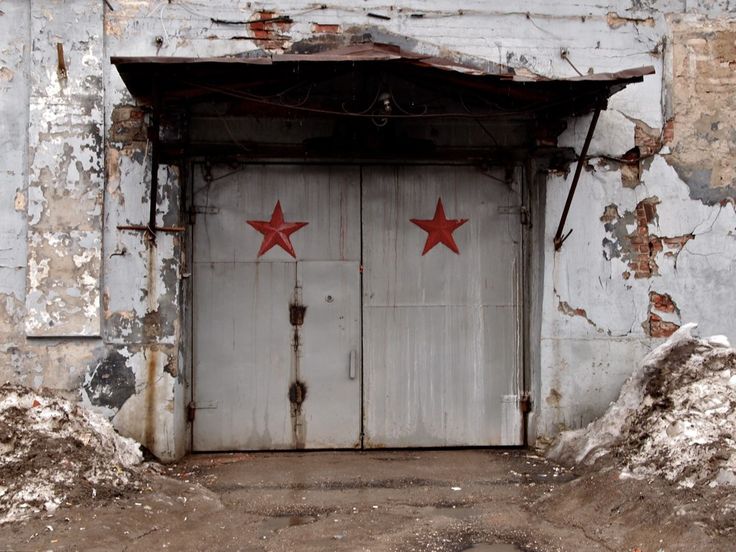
[[296, 314], [568, 310], [371, 444], [149, 433], [565, 308], [554, 397], [615, 21], [149, 331], [297, 393], [297, 389]]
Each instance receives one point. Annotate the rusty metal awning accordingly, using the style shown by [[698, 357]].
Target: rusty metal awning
[[360, 79]]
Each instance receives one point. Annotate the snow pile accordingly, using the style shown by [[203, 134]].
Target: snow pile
[[675, 416], [55, 452]]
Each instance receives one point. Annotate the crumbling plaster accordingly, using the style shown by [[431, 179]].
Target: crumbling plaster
[[65, 172], [677, 216], [85, 306]]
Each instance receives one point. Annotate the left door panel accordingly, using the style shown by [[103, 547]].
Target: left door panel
[[275, 336]]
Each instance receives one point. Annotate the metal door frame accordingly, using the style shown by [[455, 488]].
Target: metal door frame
[[522, 281]]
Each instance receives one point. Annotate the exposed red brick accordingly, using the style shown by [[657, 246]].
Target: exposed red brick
[[647, 139], [677, 242], [650, 209], [325, 28], [269, 31], [128, 124], [662, 302], [655, 245], [643, 246], [639, 248], [127, 113], [668, 132], [656, 327]]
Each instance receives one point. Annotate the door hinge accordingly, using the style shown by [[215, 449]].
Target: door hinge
[[523, 211], [525, 403], [202, 210], [525, 216], [194, 406]]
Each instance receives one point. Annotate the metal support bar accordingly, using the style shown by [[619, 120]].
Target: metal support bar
[[559, 238], [155, 153], [146, 228]]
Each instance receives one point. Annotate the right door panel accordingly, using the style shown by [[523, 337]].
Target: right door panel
[[441, 330]]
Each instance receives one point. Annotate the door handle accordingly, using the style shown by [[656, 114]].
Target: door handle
[[351, 367]]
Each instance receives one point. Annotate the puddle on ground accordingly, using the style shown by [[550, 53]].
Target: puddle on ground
[[277, 523], [459, 512], [499, 547]]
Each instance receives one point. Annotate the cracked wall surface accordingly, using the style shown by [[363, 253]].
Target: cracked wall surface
[[98, 312], [664, 237]]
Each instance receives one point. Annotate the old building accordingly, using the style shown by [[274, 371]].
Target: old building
[[358, 233]]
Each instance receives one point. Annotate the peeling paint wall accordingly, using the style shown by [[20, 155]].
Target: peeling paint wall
[[65, 170], [662, 249], [99, 312]]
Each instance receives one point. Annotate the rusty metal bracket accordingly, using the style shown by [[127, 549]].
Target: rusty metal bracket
[[525, 403], [148, 229], [61, 62], [525, 406], [277, 19], [559, 238]]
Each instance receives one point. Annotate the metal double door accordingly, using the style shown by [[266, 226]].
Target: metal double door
[[348, 306]]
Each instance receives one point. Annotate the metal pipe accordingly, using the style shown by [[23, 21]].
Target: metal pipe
[[155, 152], [559, 239]]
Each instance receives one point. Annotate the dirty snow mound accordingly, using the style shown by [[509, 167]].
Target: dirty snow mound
[[675, 416], [55, 452]]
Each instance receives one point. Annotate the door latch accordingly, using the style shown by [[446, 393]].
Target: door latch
[[351, 367]]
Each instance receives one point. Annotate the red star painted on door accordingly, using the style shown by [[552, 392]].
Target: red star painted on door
[[276, 231], [440, 229]]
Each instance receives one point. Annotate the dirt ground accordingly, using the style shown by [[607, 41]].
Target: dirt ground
[[427, 500]]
